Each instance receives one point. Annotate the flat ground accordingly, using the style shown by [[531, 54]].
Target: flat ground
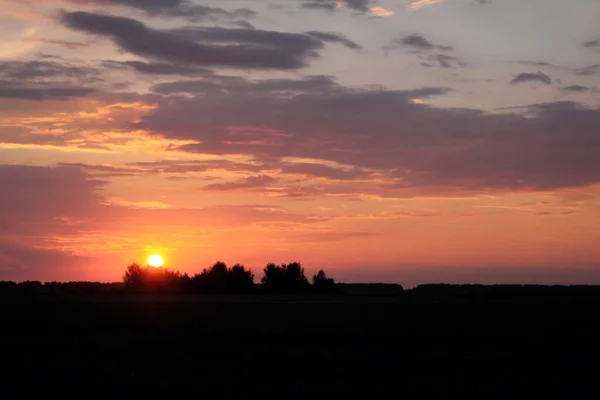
[[196, 347]]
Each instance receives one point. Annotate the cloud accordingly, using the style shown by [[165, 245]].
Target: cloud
[[235, 48], [248, 183], [589, 70], [184, 167], [418, 4], [592, 43], [335, 37], [445, 61], [40, 199], [538, 64], [357, 5], [175, 8], [426, 51], [20, 262], [22, 70], [576, 89], [243, 24], [46, 80], [532, 77], [327, 236], [158, 68], [43, 200], [360, 6], [57, 42], [261, 168], [48, 215], [381, 12], [10, 91], [420, 149], [419, 42], [102, 171], [324, 171], [215, 84]]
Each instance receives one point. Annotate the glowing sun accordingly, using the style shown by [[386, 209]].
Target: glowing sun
[[155, 261]]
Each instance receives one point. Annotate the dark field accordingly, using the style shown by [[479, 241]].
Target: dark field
[[264, 347]]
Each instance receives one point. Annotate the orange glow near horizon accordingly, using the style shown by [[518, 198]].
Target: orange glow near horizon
[[115, 152]]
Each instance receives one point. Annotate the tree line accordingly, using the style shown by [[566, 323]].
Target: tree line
[[217, 279], [220, 279]]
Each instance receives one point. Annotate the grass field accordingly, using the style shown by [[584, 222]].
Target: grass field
[[260, 347]]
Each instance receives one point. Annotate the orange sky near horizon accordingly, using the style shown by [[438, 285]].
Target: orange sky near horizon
[[348, 144]]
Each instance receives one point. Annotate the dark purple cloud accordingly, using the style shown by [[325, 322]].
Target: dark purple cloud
[[336, 38], [158, 68], [429, 53], [576, 89], [243, 24], [419, 42], [42, 192], [20, 262], [57, 42], [216, 84], [589, 70], [176, 8], [539, 77], [330, 5], [21, 70], [235, 48], [9, 90], [538, 63], [423, 149], [445, 61]]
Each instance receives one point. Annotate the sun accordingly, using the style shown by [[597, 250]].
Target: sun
[[155, 261]]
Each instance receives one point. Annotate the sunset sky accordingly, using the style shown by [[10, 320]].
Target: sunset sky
[[388, 140]]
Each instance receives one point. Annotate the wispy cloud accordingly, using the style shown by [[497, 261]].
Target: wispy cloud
[[418, 4], [381, 12], [529, 77]]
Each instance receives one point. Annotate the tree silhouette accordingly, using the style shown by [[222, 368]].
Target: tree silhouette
[[322, 284], [133, 278], [240, 280], [219, 279], [284, 278], [150, 279]]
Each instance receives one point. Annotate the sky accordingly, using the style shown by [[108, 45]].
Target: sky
[[383, 141]]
